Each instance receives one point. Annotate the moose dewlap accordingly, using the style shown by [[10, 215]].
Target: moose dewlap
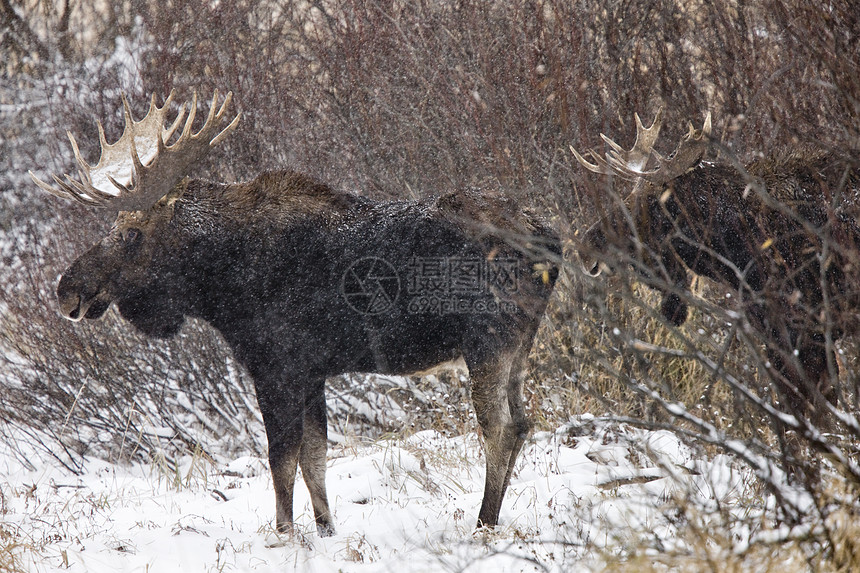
[[305, 282]]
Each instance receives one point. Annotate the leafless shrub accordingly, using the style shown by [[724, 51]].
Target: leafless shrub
[[404, 99]]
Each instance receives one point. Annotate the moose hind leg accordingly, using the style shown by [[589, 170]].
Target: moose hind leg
[[312, 459], [816, 385], [805, 382], [521, 423], [490, 399]]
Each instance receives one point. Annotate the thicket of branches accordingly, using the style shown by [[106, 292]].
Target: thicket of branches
[[407, 99]]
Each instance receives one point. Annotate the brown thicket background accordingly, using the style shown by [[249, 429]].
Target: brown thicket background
[[402, 99]]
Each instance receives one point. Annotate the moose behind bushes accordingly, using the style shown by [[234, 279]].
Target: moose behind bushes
[[305, 282], [779, 232]]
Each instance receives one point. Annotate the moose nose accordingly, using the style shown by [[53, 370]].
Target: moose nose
[[70, 299], [590, 265], [70, 307]]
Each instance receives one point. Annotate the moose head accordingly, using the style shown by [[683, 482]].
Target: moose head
[[140, 177]]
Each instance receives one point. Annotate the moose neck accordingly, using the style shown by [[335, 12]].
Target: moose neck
[[251, 247]]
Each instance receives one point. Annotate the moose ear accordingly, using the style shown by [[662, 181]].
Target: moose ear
[[167, 204], [178, 191]]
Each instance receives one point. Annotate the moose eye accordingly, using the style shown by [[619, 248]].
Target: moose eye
[[132, 237]]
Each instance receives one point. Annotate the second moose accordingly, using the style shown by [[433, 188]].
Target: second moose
[[779, 232]]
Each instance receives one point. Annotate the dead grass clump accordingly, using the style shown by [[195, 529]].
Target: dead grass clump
[[12, 552]]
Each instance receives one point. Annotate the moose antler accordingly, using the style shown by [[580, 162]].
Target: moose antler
[[140, 168], [631, 164]]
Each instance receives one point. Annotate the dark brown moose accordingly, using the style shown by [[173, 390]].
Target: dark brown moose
[[777, 231], [305, 282]]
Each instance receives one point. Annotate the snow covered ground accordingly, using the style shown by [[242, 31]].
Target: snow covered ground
[[400, 504]]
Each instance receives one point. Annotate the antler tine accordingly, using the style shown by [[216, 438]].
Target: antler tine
[[168, 133], [141, 168], [213, 109], [635, 160], [62, 191], [84, 166], [75, 191], [171, 163], [688, 153], [214, 118], [81, 191], [231, 126], [83, 185], [192, 113], [599, 165], [85, 192], [620, 162], [226, 131], [631, 164], [706, 127]]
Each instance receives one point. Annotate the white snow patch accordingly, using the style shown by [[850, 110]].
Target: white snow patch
[[407, 504]]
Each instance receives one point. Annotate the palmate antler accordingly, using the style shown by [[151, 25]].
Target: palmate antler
[[632, 164], [140, 168]]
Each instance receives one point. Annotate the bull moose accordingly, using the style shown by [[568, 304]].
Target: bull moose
[[778, 231], [305, 282]]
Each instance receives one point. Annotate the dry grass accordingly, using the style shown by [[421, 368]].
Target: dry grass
[[12, 553], [709, 542], [579, 343]]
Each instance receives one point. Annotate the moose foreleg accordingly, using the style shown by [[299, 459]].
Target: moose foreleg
[[283, 463], [521, 422], [673, 307], [284, 423]]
